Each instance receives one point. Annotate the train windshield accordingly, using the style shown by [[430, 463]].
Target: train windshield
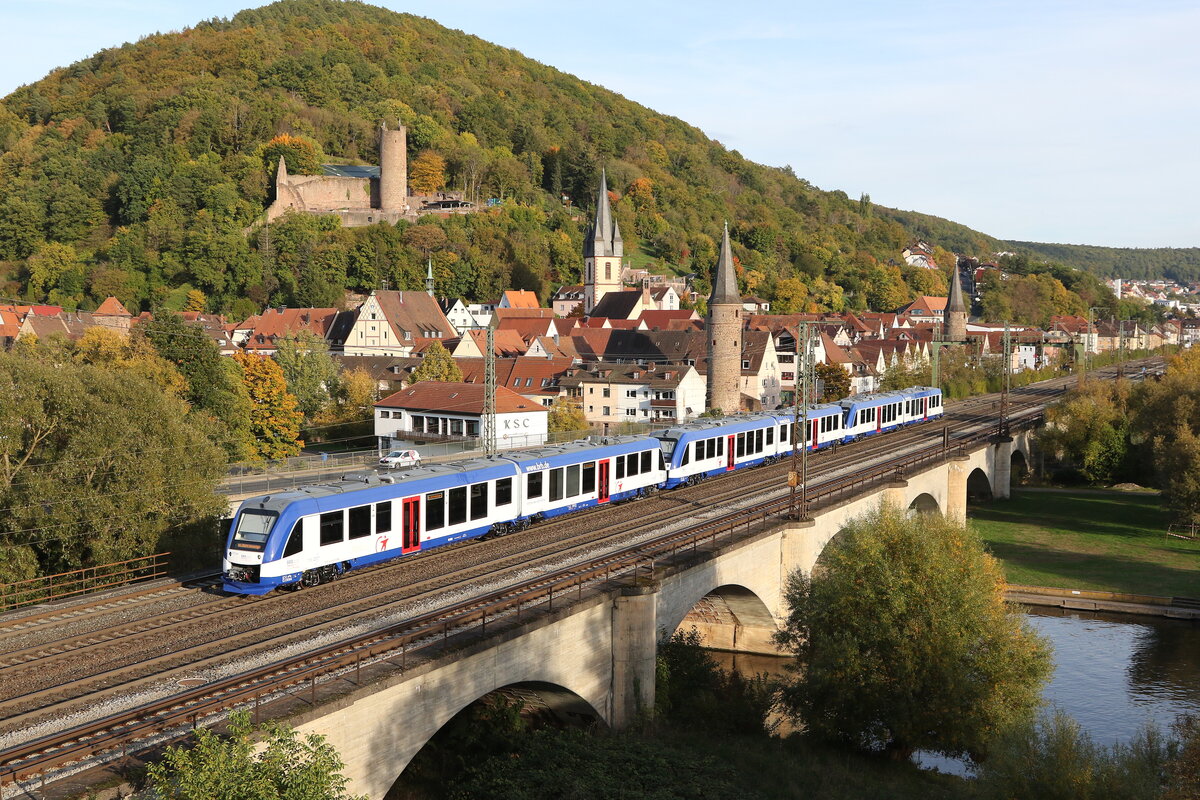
[[668, 446], [252, 529]]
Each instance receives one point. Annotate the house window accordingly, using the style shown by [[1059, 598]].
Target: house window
[[384, 415], [631, 412], [606, 411], [607, 392], [631, 392], [745, 364]]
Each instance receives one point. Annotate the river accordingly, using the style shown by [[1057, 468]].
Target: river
[[1113, 673]]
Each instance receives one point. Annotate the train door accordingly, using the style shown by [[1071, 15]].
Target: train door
[[924, 408], [816, 427], [878, 418], [411, 525], [603, 496], [730, 446]]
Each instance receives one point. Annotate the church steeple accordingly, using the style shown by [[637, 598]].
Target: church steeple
[[602, 252], [604, 236], [724, 285], [429, 277]]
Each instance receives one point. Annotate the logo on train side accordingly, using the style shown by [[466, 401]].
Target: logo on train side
[[537, 465]]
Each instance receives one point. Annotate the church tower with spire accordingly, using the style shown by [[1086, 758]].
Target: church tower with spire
[[602, 252], [724, 330], [955, 325]]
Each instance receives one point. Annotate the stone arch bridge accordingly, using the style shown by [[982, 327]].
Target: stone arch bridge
[[599, 651]]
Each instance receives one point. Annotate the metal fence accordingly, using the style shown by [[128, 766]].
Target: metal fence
[[81, 581]]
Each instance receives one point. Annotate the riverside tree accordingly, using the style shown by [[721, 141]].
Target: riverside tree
[[229, 768], [274, 430], [903, 640]]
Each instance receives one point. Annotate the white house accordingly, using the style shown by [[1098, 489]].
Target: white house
[[444, 410], [614, 393]]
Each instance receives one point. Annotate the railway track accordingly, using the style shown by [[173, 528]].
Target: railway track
[[503, 573]]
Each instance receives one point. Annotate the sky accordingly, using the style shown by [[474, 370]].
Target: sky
[[1074, 121]]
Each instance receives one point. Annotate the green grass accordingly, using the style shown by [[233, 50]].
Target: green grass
[[1111, 542]]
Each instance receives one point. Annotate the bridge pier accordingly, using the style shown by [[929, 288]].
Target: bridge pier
[[1002, 469], [634, 654], [895, 493], [956, 488]]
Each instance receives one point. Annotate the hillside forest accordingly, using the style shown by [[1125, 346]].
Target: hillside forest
[[143, 172]]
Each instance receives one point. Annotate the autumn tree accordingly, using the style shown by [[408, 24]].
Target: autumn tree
[[97, 463], [566, 415], [310, 372], [195, 301], [834, 379], [132, 353], [283, 766], [427, 173], [274, 430], [904, 641], [302, 155], [436, 365]]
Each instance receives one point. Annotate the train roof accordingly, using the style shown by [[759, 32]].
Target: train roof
[[874, 398], [714, 423], [570, 452]]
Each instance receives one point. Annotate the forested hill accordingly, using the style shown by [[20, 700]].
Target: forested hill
[[138, 172]]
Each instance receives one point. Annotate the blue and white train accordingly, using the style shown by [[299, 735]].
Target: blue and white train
[[314, 534]]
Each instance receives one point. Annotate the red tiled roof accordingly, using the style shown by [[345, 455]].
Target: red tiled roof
[[274, 324], [416, 313], [112, 307], [661, 320], [509, 313], [461, 398], [521, 298]]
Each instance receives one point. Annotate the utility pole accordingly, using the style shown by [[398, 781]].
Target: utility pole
[[799, 473], [489, 393], [1007, 381]]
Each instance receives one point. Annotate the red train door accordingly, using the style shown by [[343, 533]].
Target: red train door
[[878, 419], [924, 408], [603, 496], [815, 443], [411, 525], [732, 453]]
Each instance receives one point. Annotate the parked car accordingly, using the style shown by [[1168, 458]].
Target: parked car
[[401, 458]]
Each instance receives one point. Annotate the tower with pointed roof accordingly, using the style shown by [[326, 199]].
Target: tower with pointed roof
[[602, 252], [955, 325], [429, 277], [725, 335]]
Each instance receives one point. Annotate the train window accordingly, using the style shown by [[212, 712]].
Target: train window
[[646, 461], [589, 476], [458, 505], [712, 448], [533, 485], [720, 445], [332, 528], [770, 435], [758, 440], [360, 522], [783, 433], [503, 491], [631, 464], [295, 542], [572, 481], [620, 462], [252, 529], [687, 453], [383, 517], [741, 445], [479, 504], [556, 484], [435, 510]]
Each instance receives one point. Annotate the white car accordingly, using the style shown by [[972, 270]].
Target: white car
[[401, 458]]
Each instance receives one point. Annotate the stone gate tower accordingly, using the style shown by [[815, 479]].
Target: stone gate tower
[[955, 326], [602, 252], [393, 169], [724, 330]]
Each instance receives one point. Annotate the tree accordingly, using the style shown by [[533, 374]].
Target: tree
[[301, 155], [436, 365], [310, 372], [196, 301], [133, 353], [49, 263], [427, 173], [235, 768], [96, 463], [1090, 428], [274, 430], [835, 380], [566, 415], [904, 641]]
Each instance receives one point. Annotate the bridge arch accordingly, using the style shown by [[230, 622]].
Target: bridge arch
[[925, 503], [540, 703], [730, 617], [979, 485], [1018, 466]]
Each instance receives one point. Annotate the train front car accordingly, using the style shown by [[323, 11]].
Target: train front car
[[256, 540], [868, 414]]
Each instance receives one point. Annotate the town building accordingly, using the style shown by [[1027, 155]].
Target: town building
[[611, 394], [396, 323], [435, 410], [603, 250], [724, 334], [260, 333]]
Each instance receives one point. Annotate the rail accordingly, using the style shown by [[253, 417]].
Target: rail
[[80, 581], [123, 730]]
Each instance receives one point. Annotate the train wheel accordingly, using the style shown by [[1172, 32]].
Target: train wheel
[[311, 578]]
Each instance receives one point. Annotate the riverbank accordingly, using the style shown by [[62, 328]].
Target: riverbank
[[1087, 540], [1119, 603]]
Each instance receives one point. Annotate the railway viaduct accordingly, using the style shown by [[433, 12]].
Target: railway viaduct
[[598, 650]]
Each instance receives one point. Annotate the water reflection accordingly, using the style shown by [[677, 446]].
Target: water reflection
[[1113, 673]]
